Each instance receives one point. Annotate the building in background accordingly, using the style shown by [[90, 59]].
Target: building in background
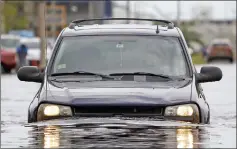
[[62, 12], [56, 18], [60, 15], [135, 10]]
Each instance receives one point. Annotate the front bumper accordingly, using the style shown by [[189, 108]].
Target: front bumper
[[152, 116], [79, 112], [220, 57], [10, 65]]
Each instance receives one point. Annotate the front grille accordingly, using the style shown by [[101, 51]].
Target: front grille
[[138, 110]]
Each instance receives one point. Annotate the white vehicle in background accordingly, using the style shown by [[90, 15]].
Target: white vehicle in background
[[33, 56], [9, 42]]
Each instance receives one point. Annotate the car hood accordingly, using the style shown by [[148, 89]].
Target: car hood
[[163, 95]]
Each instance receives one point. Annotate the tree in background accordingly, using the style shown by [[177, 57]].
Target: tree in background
[[13, 16], [202, 12], [190, 35]]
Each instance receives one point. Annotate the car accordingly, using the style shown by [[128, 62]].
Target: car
[[9, 59], [220, 49], [120, 70], [33, 56]]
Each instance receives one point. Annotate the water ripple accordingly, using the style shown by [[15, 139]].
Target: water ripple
[[118, 132]]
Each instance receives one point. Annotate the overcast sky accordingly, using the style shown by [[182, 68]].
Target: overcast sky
[[220, 9]]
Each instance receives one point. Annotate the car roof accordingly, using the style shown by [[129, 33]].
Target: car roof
[[221, 41], [131, 29]]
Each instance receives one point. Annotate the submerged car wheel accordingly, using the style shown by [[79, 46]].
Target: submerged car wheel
[[231, 60], [8, 70], [4, 69], [209, 60]]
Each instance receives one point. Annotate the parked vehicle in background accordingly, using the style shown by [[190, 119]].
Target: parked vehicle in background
[[8, 52], [220, 49], [9, 42], [22, 33], [8, 60], [33, 56]]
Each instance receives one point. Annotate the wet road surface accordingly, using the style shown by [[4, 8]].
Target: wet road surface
[[119, 133]]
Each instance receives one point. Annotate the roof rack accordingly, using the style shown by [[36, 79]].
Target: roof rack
[[77, 22]]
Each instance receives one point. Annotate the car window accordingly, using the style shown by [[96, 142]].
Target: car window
[[220, 45], [9, 43], [115, 54]]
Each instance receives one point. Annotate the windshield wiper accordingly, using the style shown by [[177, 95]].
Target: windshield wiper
[[143, 73], [82, 73]]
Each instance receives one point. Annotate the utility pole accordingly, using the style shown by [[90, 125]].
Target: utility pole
[[128, 10], [53, 29], [136, 11], [41, 14], [2, 27], [91, 9], [178, 12]]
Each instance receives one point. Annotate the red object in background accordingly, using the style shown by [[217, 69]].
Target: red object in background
[[8, 60], [224, 49], [34, 63]]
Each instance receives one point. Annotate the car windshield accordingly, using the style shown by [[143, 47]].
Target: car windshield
[[120, 54], [9, 43], [33, 45]]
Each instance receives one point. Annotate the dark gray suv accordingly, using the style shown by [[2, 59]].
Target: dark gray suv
[[120, 70]]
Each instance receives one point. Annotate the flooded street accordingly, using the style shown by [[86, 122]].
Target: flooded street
[[119, 133]]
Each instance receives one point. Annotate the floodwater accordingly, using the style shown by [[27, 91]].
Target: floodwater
[[119, 133]]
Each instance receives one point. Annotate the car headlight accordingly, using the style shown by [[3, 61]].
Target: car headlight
[[187, 112], [51, 111]]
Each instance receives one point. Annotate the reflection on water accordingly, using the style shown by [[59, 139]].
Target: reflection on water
[[141, 137], [51, 137], [184, 138]]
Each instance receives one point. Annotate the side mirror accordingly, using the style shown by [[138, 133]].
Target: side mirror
[[30, 74], [209, 74]]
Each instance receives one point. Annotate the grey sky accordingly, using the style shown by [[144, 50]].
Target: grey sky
[[220, 9]]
